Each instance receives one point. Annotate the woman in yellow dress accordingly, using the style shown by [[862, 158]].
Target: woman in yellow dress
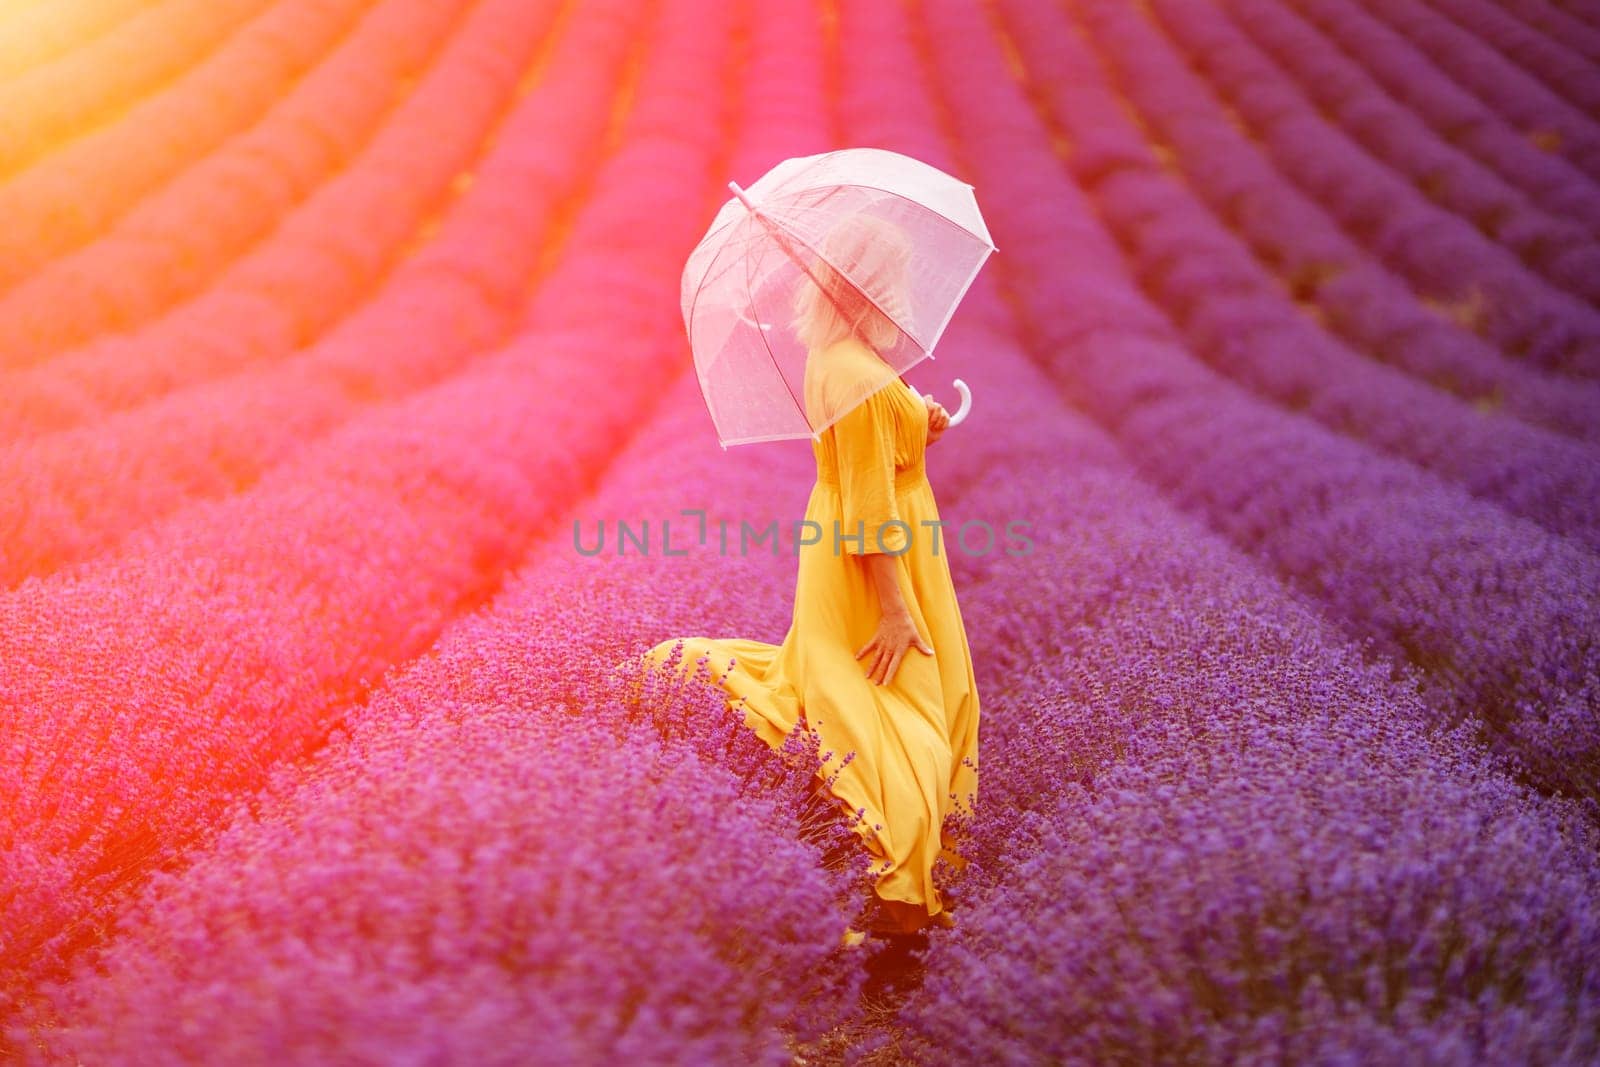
[[876, 659]]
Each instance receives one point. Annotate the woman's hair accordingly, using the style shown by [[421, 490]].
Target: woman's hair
[[877, 255]]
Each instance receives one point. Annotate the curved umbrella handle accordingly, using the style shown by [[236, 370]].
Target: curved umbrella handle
[[966, 402]]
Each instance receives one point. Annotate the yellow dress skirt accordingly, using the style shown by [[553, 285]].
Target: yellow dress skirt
[[915, 739]]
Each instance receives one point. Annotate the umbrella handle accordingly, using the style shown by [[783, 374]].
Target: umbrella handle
[[966, 402]]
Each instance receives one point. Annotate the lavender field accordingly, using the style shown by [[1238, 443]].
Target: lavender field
[[327, 327]]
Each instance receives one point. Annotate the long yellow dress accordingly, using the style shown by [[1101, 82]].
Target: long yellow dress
[[915, 739]]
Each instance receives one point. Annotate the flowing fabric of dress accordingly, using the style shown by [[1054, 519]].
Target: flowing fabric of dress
[[915, 739]]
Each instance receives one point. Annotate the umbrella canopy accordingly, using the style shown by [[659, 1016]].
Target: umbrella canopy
[[860, 241]]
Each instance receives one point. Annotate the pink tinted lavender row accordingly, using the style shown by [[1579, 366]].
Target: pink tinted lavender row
[[1458, 116], [180, 239], [1440, 254], [1564, 26], [70, 197], [1235, 319], [1564, 71], [1563, 251], [1496, 609], [1354, 296], [1580, 10], [1495, 80], [330, 254], [543, 650], [144, 690], [81, 493], [1235, 316], [35, 35], [70, 96]]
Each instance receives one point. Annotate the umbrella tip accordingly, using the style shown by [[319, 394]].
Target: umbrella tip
[[743, 198]]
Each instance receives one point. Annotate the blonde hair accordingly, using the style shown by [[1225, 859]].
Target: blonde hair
[[876, 254]]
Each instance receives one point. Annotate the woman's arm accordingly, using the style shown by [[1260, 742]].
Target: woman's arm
[[897, 633], [865, 437]]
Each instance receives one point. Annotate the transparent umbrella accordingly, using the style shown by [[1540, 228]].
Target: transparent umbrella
[[859, 240]]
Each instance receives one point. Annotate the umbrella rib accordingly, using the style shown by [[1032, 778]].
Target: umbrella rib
[[694, 304], [987, 238], [755, 316]]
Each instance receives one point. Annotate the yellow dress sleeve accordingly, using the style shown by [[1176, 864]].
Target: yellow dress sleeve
[[864, 438]]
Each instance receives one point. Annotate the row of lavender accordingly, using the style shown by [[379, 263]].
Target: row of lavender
[[32, 32], [341, 123], [220, 416], [53, 102], [144, 690], [224, 82]]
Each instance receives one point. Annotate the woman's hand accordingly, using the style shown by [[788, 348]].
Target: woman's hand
[[896, 631], [896, 635], [938, 418]]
